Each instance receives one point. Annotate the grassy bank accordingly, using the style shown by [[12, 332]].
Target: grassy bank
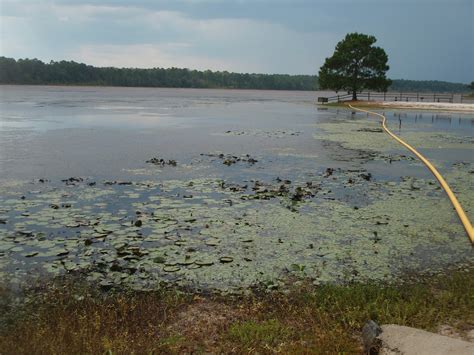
[[65, 317]]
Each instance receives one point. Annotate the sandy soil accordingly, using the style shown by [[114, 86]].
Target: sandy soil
[[442, 106]]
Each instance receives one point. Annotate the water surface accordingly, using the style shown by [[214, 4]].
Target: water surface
[[266, 185]]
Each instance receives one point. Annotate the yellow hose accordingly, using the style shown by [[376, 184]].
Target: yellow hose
[[457, 206]]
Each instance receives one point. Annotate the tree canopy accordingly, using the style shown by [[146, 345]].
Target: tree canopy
[[355, 65], [36, 72]]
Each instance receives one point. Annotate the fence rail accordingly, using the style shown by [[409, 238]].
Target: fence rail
[[399, 96], [469, 98]]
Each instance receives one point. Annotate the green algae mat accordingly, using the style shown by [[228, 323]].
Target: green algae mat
[[229, 222]]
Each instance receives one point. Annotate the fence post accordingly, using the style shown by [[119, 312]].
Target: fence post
[[337, 98]]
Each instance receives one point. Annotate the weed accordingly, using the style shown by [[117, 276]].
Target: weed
[[73, 317], [252, 334]]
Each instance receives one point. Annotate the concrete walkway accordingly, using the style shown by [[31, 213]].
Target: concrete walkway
[[442, 106], [396, 339]]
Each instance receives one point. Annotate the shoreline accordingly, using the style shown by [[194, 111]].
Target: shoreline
[[150, 87], [69, 315], [399, 105], [207, 88], [427, 105]]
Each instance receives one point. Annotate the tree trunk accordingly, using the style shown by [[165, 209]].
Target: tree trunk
[[354, 95]]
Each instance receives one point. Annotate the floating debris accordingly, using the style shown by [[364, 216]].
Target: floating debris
[[162, 162], [229, 159], [73, 180], [117, 183], [264, 133], [371, 130]]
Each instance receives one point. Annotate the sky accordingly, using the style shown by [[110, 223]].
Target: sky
[[424, 39]]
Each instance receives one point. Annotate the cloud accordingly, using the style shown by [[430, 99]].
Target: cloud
[[144, 56], [137, 37], [269, 36]]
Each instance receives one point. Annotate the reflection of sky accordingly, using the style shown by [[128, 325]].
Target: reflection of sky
[[46, 108], [76, 131], [52, 108], [461, 123], [136, 120]]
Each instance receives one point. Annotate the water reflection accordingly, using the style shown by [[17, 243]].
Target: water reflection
[[66, 132], [433, 121]]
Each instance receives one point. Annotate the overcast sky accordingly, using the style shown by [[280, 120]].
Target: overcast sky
[[424, 39]]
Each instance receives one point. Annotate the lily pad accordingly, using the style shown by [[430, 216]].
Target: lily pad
[[61, 252], [159, 260], [171, 268], [31, 254], [204, 262], [213, 242]]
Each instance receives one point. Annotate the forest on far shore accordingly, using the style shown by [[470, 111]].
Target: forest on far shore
[[36, 72]]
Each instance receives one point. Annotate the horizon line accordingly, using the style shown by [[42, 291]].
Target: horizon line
[[214, 71]]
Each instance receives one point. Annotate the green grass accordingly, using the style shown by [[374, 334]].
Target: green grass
[[76, 318], [266, 334]]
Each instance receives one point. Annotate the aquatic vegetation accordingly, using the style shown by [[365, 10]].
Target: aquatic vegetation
[[277, 133], [162, 162], [256, 221], [351, 136], [229, 159], [208, 233]]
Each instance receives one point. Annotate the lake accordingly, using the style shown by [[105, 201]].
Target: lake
[[223, 189]]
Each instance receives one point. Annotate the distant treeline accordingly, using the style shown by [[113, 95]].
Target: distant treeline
[[36, 72], [401, 85]]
